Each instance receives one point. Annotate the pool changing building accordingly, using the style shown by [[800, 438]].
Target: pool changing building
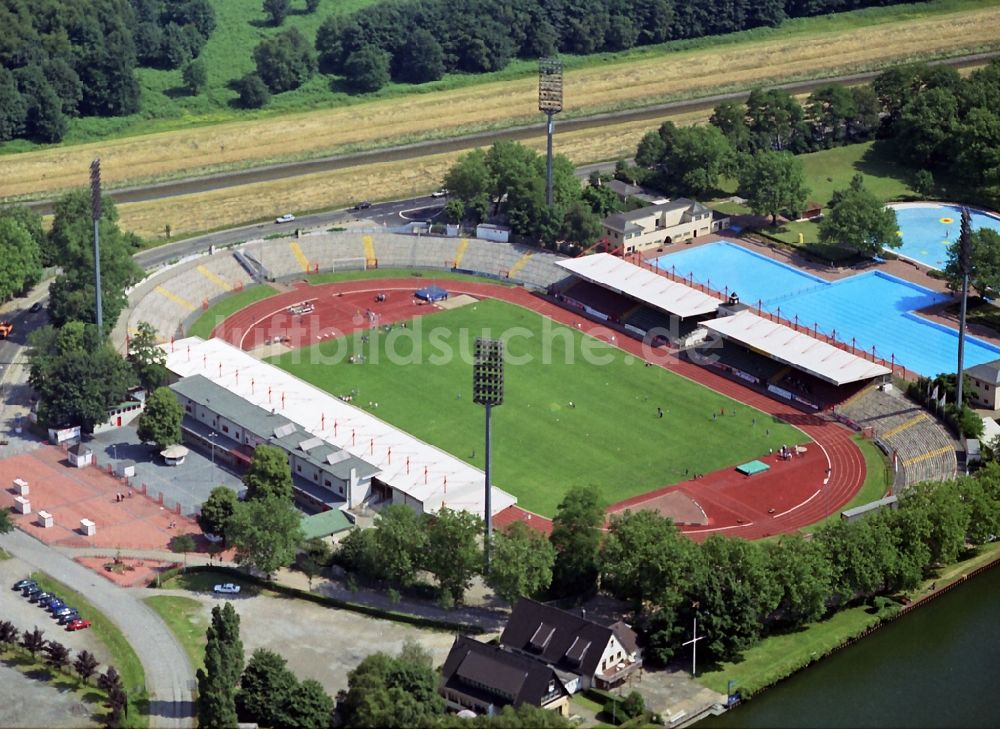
[[341, 456]]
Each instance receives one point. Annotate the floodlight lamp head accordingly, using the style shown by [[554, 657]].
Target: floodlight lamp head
[[95, 189], [487, 372], [550, 85]]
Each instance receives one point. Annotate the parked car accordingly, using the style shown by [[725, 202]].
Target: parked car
[[30, 590], [286, 218], [36, 597], [78, 624], [63, 610], [227, 588], [46, 601], [443, 192], [22, 584], [69, 617], [36, 307], [54, 604], [363, 205]]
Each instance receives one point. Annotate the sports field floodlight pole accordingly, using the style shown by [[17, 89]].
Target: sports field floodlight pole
[[550, 101], [694, 644], [965, 264], [487, 390], [95, 215]]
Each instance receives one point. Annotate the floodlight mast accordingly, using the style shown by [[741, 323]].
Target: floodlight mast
[[487, 390], [965, 264], [550, 101], [95, 215]]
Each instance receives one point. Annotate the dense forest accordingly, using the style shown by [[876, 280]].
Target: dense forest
[[66, 58], [77, 58]]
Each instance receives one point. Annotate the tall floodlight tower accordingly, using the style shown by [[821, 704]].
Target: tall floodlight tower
[[95, 215], [487, 390], [550, 101], [965, 266]]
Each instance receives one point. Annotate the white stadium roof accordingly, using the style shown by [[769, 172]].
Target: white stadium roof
[[448, 481], [652, 288], [799, 350]]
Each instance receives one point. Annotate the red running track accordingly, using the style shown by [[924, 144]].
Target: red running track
[[786, 498]]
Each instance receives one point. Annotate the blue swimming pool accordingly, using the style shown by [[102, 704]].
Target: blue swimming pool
[[870, 309], [927, 229]]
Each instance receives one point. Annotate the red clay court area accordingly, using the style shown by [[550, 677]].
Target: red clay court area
[[791, 495]]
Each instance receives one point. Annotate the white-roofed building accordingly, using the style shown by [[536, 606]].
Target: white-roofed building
[[638, 283], [339, 450], [801, 351], [662, 224]]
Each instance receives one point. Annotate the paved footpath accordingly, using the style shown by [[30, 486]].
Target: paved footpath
[[169, 674]]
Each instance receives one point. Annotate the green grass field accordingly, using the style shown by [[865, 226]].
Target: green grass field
[[611, 441], [186, 620]]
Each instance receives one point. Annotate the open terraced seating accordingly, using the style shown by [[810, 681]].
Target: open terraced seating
[[924, 451]]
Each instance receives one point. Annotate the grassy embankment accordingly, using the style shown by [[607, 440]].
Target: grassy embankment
[[799, 49], [781, 655], [123, 656], [186, 619], [228, 305]]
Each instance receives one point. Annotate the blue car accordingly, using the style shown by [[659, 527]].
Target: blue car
[[69, 617], [23, 584], [55, 605], [47, 600]]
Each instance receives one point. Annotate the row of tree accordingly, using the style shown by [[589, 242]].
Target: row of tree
[[420, 42], [507, 183], [59, 658], [263, 692], [61, 59]]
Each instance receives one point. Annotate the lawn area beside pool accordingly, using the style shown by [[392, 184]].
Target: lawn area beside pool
[[610, 436]]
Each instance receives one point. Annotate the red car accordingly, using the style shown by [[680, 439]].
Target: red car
[[78, 624]]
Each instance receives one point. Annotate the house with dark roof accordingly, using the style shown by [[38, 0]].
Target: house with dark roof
[[485, 678], [584, 653], [985, 384], [658, 225]]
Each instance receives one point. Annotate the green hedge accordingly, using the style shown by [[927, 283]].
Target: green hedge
[[369, 610]]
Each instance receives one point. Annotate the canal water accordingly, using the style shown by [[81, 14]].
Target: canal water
[[936, 667]]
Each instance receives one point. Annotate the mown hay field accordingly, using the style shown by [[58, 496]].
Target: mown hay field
[[614, 85]]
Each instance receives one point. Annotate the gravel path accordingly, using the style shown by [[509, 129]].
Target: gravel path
[[169, 674]]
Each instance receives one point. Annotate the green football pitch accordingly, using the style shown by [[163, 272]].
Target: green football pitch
[[610, 439]]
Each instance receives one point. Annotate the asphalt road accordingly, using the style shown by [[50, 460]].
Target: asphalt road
[[273, 172], [168, 672]]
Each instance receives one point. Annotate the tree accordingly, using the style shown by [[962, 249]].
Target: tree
[[6, 525], [253, 92], [217, 510], [313, 558], [8, 633], [312, 5], [277, 10], [399, 544], [195, 76], [926, 127], [773, 182], [223, 666], [858, 554], [580, 225], [521, 562], [285, 61], [85, 665], [948, 516], [310, 706], [224, 630], [116, 702], [266, 689], [695, 159], [266, 533], [269, 475], [109, 680], [453, 554], [984, 262], [366, 70], [57, 655], [160, 422], [775, 120], [859, 220], [981, 495], [576, 537], [20, 253], [183, 543], [730, 118], [33, 641], [421, 59], [147, 358], [393, 692], [13, 108], [803, 576]]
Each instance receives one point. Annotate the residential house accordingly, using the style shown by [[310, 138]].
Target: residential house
[[585, 653], [985, 384], [485, 678], [657, 225]]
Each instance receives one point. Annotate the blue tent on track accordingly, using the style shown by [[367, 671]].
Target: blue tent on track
[[432, 294]]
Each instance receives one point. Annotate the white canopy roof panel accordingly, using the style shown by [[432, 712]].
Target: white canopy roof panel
[[799, 350], [423, 472], [649, 287]]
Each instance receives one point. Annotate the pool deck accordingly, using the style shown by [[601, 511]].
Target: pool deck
[[904, 269]]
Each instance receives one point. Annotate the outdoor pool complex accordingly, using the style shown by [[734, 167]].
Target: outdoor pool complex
[[927, 229], [868, 310]]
